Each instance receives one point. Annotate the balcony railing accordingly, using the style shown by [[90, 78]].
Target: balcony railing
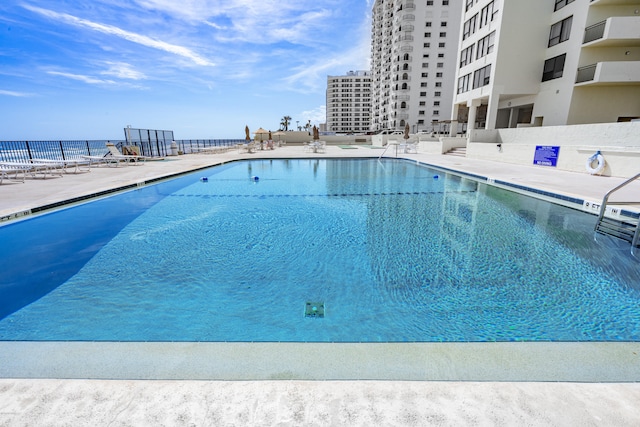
[[594, 32], [586, 74], [405, 39]]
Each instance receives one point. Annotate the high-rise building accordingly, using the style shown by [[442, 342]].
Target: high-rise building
[[414, 45], [548, 62], [349, 102]]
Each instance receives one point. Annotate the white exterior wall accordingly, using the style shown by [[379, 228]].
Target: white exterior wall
[[521, 49], [619, 143], [349, 102], [399, 28], [553, 103]]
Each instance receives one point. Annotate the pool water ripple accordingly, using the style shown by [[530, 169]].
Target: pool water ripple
[[394, 254]]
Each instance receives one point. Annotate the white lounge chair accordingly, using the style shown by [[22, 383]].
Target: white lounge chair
[[411, 147], [127, 158], [34, 168], [98, 160], [67, 163], [7, 169]]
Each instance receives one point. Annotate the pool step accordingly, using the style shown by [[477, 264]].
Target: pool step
[[459, 152], [616, 228], [628, 229]]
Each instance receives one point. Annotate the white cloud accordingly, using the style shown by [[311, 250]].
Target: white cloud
[[82, 78], [127, 35], [123, 71], [263, 22], [317, 115], [16, 94]]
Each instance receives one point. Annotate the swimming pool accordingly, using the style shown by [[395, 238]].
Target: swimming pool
[[389, 251]]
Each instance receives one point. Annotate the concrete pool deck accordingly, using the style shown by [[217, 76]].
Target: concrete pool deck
[[30, 397]]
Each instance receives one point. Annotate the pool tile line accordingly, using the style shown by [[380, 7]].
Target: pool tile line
[[533, 191], [272, 196]]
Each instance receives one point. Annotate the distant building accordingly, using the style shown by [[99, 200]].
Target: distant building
[[548, 62], [414, 46], [349, 102]]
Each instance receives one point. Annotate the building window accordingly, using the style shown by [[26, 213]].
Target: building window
[[429, 2], [428, 24], [443, 34], [482, 77], [423, 93], [438, 74], [438, 84], [424, 75], [423, 84], [469, 27], [437, 93], [443, 24], [436, 103], [427, 34], [485, 45], [440, 65], [436, 112], [421, 113], [562, 3], [486, 14], [553, 68], [466, 56], [463, 83], [445, 2], [469, 5], [427, 45], [423, 103], [560, 31], [441, 55], [441, 44]]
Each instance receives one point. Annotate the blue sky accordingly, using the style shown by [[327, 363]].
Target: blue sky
[[84, 69]]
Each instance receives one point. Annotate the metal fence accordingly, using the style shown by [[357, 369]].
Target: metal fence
[[25, 151], [193, 145]]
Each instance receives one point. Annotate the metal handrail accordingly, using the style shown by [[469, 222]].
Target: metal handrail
[[605, 202]]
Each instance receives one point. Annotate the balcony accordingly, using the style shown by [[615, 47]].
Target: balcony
[[404, 39], [609, 73], [614, 31], [400, 97], [612, 2]]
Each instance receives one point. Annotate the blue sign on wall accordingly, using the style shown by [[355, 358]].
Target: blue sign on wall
[[546, 155]]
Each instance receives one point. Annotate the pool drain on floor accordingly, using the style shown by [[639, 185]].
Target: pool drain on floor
[[314, 309]]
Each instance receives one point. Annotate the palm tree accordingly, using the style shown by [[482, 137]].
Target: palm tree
[[285, 123]]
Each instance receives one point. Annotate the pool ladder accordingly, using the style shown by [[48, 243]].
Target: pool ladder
[[626, 229]]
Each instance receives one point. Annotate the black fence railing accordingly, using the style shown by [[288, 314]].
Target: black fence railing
[[193, 145], [586, 74], [25, 151]]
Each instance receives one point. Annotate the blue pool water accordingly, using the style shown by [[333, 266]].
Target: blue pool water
[[393, 251]]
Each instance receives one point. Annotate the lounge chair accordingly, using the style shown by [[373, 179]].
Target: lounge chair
[[411, 147], [33, 168], [7, 169], [128, 158], [67, 163], [98, 160]]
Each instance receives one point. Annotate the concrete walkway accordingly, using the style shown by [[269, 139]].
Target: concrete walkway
[[56, 402]]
